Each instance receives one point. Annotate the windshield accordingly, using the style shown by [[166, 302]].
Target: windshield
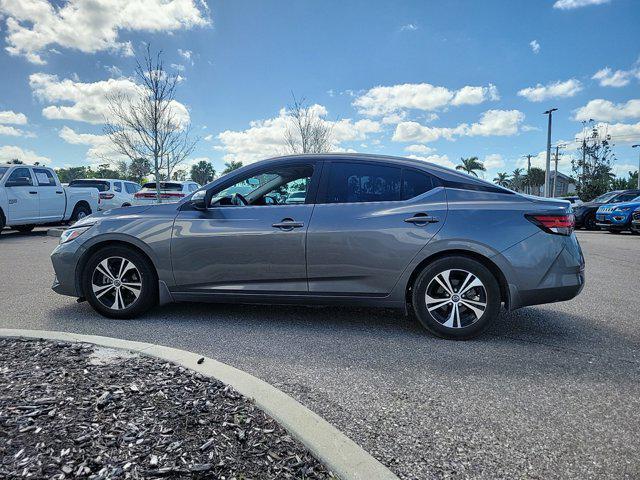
[[166, 186], [3, 170], [605, 197], [100, 185]]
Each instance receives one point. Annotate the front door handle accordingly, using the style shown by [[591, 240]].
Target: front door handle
[[33, 193], [288, 224], [421, 219], [59, 192]]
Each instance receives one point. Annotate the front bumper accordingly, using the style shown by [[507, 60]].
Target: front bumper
[[612, 221], [65, 259]]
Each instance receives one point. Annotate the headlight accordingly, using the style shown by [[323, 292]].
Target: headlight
[[623, 209], [73, 233]]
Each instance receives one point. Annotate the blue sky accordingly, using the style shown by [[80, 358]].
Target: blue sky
[[436, 80]]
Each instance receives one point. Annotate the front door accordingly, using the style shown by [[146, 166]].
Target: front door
[[370, 221], [23, 203], [252, 237], [52, 198]]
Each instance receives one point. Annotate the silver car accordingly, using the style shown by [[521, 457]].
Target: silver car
[[372, 230]]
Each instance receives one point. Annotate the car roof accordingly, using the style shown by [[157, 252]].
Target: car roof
[[443, 173]]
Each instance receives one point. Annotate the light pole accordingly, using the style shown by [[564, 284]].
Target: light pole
[[634, 146], [547, 170]]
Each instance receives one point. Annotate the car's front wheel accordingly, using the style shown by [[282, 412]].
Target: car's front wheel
[[456, 297], [120, 282]]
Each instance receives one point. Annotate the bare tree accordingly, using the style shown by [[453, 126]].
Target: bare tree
[[146, 124], [308, 133]]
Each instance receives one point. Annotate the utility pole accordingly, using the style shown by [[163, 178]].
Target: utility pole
[[548, 163], [634, 146], [555, 175]]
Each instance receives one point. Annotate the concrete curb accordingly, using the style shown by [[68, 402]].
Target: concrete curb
[[55, 232], [334, 449]]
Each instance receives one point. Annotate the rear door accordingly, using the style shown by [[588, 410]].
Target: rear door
[[23, 203], [254, 248], [51, 195], [370, 220]]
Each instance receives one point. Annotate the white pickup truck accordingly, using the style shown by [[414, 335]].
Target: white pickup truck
[[33, 195]]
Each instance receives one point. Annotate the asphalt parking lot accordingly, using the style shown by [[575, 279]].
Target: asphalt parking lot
[[550, 392]]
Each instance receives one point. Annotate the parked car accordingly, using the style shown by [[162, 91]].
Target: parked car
[[170, 192], [617, 217], [374, 230], [31, 196], [114, 192], [586, 213], [635, 220]]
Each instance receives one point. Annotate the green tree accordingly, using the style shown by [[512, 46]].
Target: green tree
[[179, 175], [471, 165], [139, 169], [105, 170], [231, 166], [592, 167], [15, 161], [67, 175], [202, 172], [517, 179], [502, 179], [535, 179]]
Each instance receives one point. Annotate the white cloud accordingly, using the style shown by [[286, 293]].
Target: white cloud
[[100, 148], [620, 132], [265, 138], [87, 102], [409, 27], [113, 71], [571, 4], [186, 54], [14, 132], [383, 101], [10, 152], [493, 160], [535, 46], [623, 169], [92, 26], [441, 160], [14, 118], [557, 89], [606, 111], [492, 122], [620, 78], [416, 148]]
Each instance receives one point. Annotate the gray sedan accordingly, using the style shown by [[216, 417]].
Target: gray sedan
[[371, 230]]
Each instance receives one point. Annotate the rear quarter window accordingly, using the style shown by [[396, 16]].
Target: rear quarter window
[[416, 183]]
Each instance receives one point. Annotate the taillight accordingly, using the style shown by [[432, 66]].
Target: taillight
[[557, 224], [107, 196]]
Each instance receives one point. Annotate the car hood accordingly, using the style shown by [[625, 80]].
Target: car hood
[[631, 205], [589, 205]]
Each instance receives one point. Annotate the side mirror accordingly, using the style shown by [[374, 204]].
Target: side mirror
[[201, 199], [19, 182]]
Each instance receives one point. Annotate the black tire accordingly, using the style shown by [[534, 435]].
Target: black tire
[[148, 293], [590, 222], [24, 228], [469, 324], [80, 211], [3, 221], [613, 230]]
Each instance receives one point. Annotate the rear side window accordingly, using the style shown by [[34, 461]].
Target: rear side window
[[102, 186], [44, 177], [363, 182], [416, 183], [625, 197], [131, 187]]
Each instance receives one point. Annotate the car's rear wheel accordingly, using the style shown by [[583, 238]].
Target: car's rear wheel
[[79, 212], [120, 282], [456, 297], [590, 222]]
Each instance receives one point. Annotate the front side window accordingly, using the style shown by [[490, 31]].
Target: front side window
[[625, 197], [363, 182], [20, 175], [117, 186], [44, 177], [284, 185], [3, 170]]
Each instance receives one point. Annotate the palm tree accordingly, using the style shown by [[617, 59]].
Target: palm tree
[[231, 166], [470, 165], [502, 179], [517, 179], [535, 179]]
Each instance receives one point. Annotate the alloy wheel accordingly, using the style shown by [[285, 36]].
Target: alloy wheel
[[456, 298], [116, 283]]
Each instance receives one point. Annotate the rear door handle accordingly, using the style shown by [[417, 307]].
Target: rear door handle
[[421, 219], [33, 193], [59, 193], [288, 224]]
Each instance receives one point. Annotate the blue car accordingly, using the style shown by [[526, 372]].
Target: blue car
[[635, 221], [617, 217]]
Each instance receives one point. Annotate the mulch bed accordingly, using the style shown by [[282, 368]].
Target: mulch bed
[[80, 411]]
